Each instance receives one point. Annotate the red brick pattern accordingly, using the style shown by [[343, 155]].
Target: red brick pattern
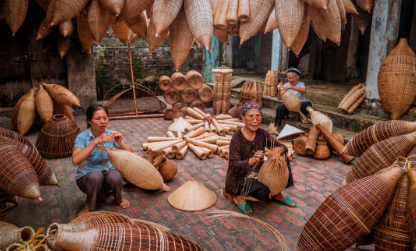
[[314, 180]]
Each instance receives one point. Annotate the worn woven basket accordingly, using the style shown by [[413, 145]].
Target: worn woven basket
[[259, 13], [57, 137], [113, 6], [299, 144], [14, 12], [205, 93], [327, 23], [133, 8], [274, 174], [322, 150], [62, 95], [188, 95], [167, 168], [152, 40], [195, 79], [289, 18], [302, 36], [123, 32], [138, 25], [99, 20], [199, 17], [14, 135], [164, 13], [375, 133], [179, 81], [181, 40], [84, 34], [44, 104], [351, 212], [165, 83], [397, 80], [172, 96]]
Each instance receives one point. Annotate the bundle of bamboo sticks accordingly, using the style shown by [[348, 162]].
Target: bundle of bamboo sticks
[[205, 136]]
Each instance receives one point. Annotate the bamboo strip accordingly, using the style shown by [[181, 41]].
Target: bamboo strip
[[222, 142], [194, 127], [203, 144], [170, 134], [212, 128], [182, 152], [211, 140], [206, 126], [193, 113], [195, 133], [200, 112], [194, 121], [146, 146], [223, 117], [178, 146], [218, 127], [197, 151], [169, 144], [159, 139], [209, 152]]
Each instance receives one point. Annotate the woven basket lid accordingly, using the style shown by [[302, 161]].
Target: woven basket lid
[[192, 196], [288, 131]]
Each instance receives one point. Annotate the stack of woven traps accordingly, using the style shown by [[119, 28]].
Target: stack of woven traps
[[251, 92], [222, 90], [270, 83]]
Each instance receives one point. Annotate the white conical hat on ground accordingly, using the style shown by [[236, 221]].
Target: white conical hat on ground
[[179, 124], [192, 196], [288, 131]]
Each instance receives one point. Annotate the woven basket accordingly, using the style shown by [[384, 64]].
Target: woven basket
[[397, 80], [181, 40], [44, 104], [375, 133], [195, 79], [381, 155], [64, 44], [259, 13], [220, 14], [44, 31], [221, 35], [49, 13], [271, 23], [123, 32], [138, 25], [310, 144], [327, 23], [341, 9], [217, 107], [88, 233], [168, 114], [165, 83], [392, 231], [136, 170], [205, 93], [302, 36], [192, 196], [199, 16], [3, 205], [289, 18], [197, 103], [167, 169], [299, 144], [188, 95], [320, 118], [225, 106], [179, 81], [12, 234], [62, 95], [113, 6], [66, 28], [43, 171], [27, 113], [335, 143], [164, 13], [17, 175], [99, 20], [14, 135], [274, 174], [366, 5], [243, 10], [172, 96], [349, 7], [292, 103], [152, 40], [232, 12], [322, 150], [235, 112], [355, 97], [16, 110], [57, 137], [319, 4], [348, 95], [411, 206], [133, 7], [362, 19], [43, 4], [66, 10], [350, 212], [14, 12], [63, 109]]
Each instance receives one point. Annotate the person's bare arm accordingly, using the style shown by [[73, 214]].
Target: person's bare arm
[[80, 154]]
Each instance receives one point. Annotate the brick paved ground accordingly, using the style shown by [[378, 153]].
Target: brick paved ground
[[314, 180]]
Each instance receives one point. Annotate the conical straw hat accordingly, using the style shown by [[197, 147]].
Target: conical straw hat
[[192, 196], [289, 130]]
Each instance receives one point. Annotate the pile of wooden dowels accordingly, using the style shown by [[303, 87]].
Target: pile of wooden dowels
[[205, 136]]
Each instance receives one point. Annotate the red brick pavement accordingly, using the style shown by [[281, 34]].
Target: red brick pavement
[[314, 181]]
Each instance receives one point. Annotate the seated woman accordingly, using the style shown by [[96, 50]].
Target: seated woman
[[246, 154], [95, 175], [295, 87]]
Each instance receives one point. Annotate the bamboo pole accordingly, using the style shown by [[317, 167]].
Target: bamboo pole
[[209, 152], [197, 151], [194, 127], [211, 140], [223, 116], [194, 121], [206, 126], [182, 152], [170, 143], [218, 127], [195, 133], [179, 134], [178, 146], [203, 144], [201, 112], [193, 113], [170, 134], [159, 139]]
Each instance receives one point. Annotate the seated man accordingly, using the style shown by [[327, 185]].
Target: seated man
[[295, 87]]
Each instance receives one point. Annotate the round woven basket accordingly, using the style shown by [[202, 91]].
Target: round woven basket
[[197, 103], [179, 81], [217, 107], [178, 113], [195, 79], [168, 114], [165, 83], [188, 95], [168, 169], [172, 96], [57, 137], [322, 150], [299, 144], [205, 93]]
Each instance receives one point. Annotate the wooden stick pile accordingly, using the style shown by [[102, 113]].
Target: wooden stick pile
[[206, 136]]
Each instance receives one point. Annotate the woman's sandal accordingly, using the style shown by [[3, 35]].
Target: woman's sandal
[[288, 202], [245, 208]]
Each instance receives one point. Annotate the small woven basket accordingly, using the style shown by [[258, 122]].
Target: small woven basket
[[172, 96], [165, 83], [205, 93], [195, 79], [179, 81], [322, 150], [168, 114]]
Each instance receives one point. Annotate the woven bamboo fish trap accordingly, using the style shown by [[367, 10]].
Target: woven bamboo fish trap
[[165, 83], [397, 80], [66, 28], [166, 167], [12, 234], [195, 79], [327, 23], [376, 133], [44, 104], [292, 103], [43, 4], [179, 81], [44, 31], [259, 13], [302, 36], [14, 135], [164, 13], [181, 40], [232, 12], [334, 142], [49, 13], [289, 18], [172, 96], [84, 34], [349, 7], [271, 23], [411, 206], [299, 144], [351, 212], [99, 20], [220, 14], [319, 4], [16, 110], [168, 114], [138, 25], [320, 118], [366, 5], [362, 19], [94, 233], [27, 113], [381, 155], [348, 95], [132, 8], [152, 40], [43, 171], [188, 95], [274, 174], [3, 205], [57, 137], [17, 175], [64, 44], [14, 12], [341, 9], [199, 16], [192, 196], [322, 150], [65, 10], [113, 6], [205, 93], [136, 170], [63, 109], [123, 32], [392, 231], [221, 35]]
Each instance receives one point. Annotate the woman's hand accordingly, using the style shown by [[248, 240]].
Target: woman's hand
[[118, 137], [285, 88], [256, 159], [105, 137]]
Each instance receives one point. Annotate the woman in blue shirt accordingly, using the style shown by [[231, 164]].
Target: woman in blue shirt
[[295, 87], [95, 174]]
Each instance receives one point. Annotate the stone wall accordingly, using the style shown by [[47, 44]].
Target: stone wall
[[113, 67]]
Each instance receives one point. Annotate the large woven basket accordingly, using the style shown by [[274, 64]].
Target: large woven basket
[[123, 32], [84, 34], [99, 20], [335, 143], [375, 133], [16, 111], [132, 8], [274, 174], [381, 155], [302, 36], [196, 80], [392, 231], [179, 81], [165, 83], [181, 40], [63, 109], [14, 12], [62, 95], [64, 44], [327, 23], [138, 25], [319, 118], [322, 150], [43, 171], [164, 13], [113, 6], [44, 104], [14, 135], [17, 175], [102, 229], [397, 80], [152, 40], [27, 113], [57, 137], [166, 167], [12, 234], [188, 95], [259, 13], [411, 206], [366, 5], [362, 19], [66, 10], [205, 93], [172, 96], [289, 18], [66, 28], [350, 212], [199, 17]]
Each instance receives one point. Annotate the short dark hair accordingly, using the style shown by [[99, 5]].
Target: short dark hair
[[92, 109]]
